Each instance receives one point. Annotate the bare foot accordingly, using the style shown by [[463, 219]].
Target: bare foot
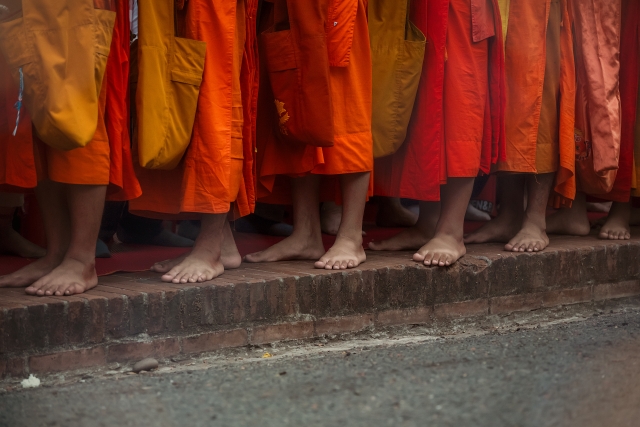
[[229, 256], [500, 229], [197, 266], [442, 251], [615, 229], [29, 274], [11, 242], [410, 239], [616, 225], [69, 278], [345, 253], [571, 222], [530, 238], [391, 213], [296, 246]]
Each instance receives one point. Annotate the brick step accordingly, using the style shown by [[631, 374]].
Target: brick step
[[132, 316]]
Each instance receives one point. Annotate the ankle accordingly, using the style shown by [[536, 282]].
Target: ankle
[[447, 234], [536, 221], [85, 258], [307, 232], [211, 254], [352, 237]]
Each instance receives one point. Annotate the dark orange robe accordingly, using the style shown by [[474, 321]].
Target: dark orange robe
[[106, 160], [217, 168], [17, 164], [457, 127], [350, 81], [629, 81], [541, 87]]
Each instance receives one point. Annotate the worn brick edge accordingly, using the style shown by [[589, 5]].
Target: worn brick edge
[[166, 347]]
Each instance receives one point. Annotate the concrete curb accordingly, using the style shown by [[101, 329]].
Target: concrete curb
[[133, 316]]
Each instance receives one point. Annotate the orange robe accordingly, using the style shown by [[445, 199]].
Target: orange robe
[[457, 128], [629, 82], [350, 81], [31, 160], [217, 168], [540, 75], [17, 164]]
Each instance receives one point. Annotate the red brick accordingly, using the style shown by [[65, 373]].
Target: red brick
[[12, 368], [616, 290], [477, 307], [288, 300], [240, 302], [194, 305], [408, 316], [135, 306], [137, 350], [258, 302], [214, 341], [13, 324], [68, 360], [173, 310], [567, 297], [97, 326], [285, 269], [513, 303], [75, 321], [55, 324], [155, 313], [18, 295], [117, 316], [284, 331], [343, 324], [5, 304]]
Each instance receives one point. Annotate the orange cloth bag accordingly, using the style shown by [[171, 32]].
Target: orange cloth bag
[[169, 76], [297, 59], [397, 56], [59, 50]]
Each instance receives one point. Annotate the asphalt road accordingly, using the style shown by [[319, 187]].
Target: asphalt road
[[585, 373]]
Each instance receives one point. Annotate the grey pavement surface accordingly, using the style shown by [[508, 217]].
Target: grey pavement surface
[[578, 373]]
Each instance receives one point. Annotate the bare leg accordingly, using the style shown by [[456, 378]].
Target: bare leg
[[229, 255], [57, 227], [11, 242], [306, 240], [347, 251], [509, 219], [571, 221], [447, 245], [532, 237], [391, 213], [617, 225], [77, 272], [413, 237]]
